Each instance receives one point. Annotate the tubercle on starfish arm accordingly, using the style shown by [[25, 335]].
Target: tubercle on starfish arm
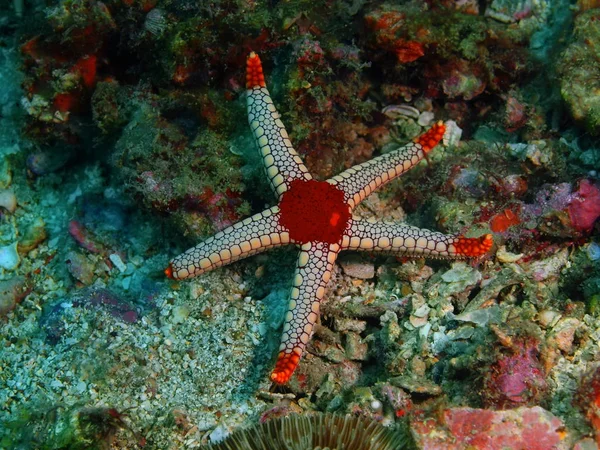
[[317, 217]]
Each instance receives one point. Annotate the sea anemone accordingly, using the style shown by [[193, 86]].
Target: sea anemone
[[316, 431]]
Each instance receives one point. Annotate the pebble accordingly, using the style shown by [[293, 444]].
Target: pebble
[[563, 333], [425, 118], [355, 348], [416, 385], [80, 267], [12, 291], [8, 200], [548, 317], [33, 236], [9, 257], [355, 267], [344, 324], [118, 262], [507, 257]]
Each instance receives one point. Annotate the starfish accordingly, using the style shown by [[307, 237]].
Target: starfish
[[317, 217]]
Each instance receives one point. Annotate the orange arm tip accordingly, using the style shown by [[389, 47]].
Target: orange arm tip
[[284, 368], [431, 137], [169, 272], [474, 247], [254, 72]]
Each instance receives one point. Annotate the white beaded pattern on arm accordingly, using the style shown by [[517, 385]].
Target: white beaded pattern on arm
[[360, 181], [281, 161], [315, 264], [248, 237], [407, 240]]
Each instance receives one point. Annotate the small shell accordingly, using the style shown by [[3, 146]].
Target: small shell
[[8, 200], [156, 22], [506, 257], [403, 110]]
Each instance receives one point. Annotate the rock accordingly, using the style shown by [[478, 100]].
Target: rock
[[34, 235], [461, 428], [12, 292], [416, 385], [548, 317], [458, 279], [588, 400], [355, 348], [585, 444], [80, 267], [9, 257], [516, 378], [563, 333], [330, 352], [505, 256], [355, 267], [397, 398], [343, 324], [8, 201]]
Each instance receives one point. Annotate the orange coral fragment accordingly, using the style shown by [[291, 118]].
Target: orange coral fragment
[[254, 72], [431, 137], [31, 48], [65, 102], [473, 247], [408, 51], [285, 366], [86, 67], [503, 221], [181, 74], [169, 272]]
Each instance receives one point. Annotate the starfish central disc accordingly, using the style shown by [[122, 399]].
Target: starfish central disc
[[314, 211]]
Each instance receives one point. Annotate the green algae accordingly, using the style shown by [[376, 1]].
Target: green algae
[[578, 70]]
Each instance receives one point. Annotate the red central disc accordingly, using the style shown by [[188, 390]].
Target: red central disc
[[314, 211]]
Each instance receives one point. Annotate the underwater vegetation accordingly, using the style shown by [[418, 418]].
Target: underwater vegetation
[[124, 140]]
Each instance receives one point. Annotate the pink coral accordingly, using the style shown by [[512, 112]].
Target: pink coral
[[584, 208], [516, 379], [588, 399], [460, 428]]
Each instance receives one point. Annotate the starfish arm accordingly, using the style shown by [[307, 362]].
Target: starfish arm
[[313, 272], [248, 237], [360, 181], [412, 241], [281, 161]]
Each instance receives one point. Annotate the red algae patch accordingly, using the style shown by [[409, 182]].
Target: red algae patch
[[460, 428]]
